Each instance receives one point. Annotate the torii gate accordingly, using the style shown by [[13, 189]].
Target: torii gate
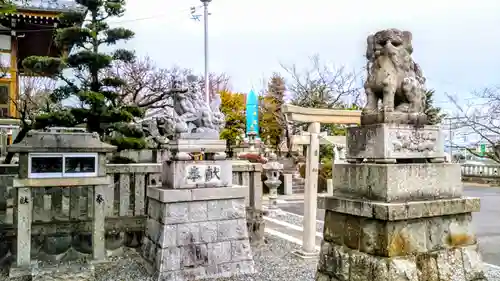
[[315, 116], [338, 142]]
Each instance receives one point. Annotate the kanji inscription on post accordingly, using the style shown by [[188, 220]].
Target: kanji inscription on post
[[212, 173], [195, 174], [199, 174]]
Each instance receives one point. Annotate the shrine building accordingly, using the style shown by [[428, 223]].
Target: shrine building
[[27, 30]]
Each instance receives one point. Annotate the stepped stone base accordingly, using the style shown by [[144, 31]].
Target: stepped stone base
[[399, 222], [340, 263], [430, 240], [194, 234]]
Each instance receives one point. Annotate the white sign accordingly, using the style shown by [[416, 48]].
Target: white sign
[[200, 174]]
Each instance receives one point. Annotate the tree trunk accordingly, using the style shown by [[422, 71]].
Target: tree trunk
[[288, 140], [20, 136]]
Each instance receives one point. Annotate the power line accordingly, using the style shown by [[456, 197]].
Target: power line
[[110, 22]]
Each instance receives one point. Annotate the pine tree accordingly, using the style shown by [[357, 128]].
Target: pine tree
[[434, 115], [100, 107]]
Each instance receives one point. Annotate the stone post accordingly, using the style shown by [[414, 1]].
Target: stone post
[[398, 211], [311, 194], [329, 186], [273, 169], [336, 153], [288, 184], [255, 220]]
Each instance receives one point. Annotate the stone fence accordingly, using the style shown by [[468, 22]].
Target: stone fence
[[481, 173], [66, 210], [470, 170]]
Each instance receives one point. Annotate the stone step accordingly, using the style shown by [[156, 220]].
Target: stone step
[[299, 189]]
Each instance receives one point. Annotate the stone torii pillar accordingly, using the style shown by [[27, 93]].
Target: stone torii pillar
[[314, 116]]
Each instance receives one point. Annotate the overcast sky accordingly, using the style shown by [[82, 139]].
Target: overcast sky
[[456, 42]]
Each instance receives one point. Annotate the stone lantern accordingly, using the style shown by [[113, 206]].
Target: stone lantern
[[251, 142], [60, 162], [273, 170]]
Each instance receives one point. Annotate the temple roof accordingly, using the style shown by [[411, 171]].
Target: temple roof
[[56, 6]]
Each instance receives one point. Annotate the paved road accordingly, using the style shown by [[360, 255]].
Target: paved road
[[486, 222]]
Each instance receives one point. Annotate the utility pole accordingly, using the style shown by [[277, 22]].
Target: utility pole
[[205, 22]]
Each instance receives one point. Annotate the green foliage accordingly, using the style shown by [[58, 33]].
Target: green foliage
[[7, 6], [101, 107], [326, 151], [434, 115], [271, 120], [325, 173], [233, 107], [338, 129], [43, 66]]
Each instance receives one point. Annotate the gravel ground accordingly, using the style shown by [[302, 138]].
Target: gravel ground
[[273, 262]]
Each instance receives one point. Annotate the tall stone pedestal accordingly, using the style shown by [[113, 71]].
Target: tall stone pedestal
[[197, 221], [399, 222]]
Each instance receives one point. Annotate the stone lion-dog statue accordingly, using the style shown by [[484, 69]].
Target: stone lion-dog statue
[[393, 76]]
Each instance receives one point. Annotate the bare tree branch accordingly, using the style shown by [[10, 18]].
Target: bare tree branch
[[218, 82], [146, 85], [480, 120], [325, 86], [34, 97], [150, 87]]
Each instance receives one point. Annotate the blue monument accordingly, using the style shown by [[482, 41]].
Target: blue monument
[[252, 113]]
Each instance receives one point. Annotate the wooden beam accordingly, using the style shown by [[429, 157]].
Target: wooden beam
[[321, 115]]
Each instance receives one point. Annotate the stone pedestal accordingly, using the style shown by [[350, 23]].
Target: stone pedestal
[[197, 221], [398, 222], [391, 143]]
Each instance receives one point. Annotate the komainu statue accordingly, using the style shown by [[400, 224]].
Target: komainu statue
[[188, 114], [394, 78]]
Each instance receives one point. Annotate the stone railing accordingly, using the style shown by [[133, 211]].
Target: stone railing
[[487, 174], [66, 210], [469, 170]]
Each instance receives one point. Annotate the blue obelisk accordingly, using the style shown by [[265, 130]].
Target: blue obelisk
[[252, 114]]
